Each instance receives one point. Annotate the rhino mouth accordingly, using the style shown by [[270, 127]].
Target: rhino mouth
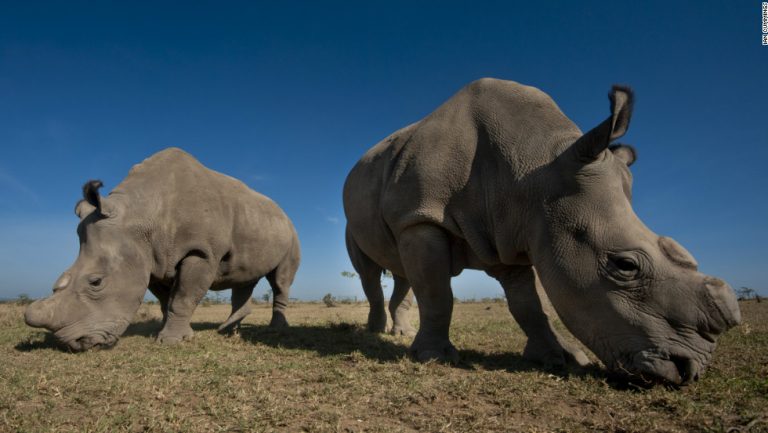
[[92, 342], [657, 366], [77, 338]]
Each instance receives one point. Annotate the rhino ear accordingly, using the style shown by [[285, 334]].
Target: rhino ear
[[624, 152], [83, 209], [92, 198], [595, 141]]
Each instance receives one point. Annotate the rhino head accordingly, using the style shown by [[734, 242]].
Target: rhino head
[[94, 300], [635, 298]]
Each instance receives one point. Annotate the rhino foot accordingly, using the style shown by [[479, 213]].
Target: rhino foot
[[169, 338], [278, 320], [175, 336], [556, 355], [229, 329], [435, 350], [377, 320]]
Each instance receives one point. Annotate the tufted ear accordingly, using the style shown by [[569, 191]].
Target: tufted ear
[[83, 209], [93, 201], [595, 141], [624, 152]]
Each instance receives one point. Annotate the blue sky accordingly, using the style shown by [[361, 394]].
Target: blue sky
[[286, 96]]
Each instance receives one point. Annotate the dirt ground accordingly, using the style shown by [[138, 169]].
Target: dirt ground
[[326, 374]]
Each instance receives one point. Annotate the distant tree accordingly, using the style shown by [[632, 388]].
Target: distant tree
[[23, 299], [329, 300], [385, 274], [266, 297], [745, 293]]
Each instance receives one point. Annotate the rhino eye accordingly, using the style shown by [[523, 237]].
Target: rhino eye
[[623, 267], [626, 265], [95, 282]]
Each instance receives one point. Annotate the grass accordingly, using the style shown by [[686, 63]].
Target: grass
[[326, 374]]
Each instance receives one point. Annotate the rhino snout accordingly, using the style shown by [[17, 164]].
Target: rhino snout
[[38, 314], [725, 301]]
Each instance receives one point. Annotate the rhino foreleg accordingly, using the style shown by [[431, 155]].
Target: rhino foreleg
[[399, 307], [544, 345], [194, 278], [162, 293], [241, 307], [425, 255]]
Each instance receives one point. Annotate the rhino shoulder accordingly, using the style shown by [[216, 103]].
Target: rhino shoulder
[[492, 89], [167, 159]]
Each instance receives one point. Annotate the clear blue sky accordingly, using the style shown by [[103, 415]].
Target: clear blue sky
[[288, 95]]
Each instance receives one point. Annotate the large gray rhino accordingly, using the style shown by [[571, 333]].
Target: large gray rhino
[[179, 229], [499, 179]]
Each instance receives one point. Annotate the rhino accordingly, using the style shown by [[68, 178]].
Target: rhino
[[176, 228], [498, 179]]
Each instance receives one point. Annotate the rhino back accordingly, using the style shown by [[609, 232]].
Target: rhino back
[[187, 208], [465, 167]]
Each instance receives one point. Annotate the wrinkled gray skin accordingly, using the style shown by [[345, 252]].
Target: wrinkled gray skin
[[179, 229], [499, 179]]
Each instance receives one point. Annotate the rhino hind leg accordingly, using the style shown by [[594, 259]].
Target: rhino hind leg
[[241, 307], [194, 278], [426, 257], [399, 306], [370, 277], [545, 344], [280, 280]]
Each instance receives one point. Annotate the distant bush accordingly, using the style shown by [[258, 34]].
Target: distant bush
[[348, 274], [347, 300], [24, 299], [329, 300], [212, 298]]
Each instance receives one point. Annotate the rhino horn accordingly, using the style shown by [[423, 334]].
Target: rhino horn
[[595, 141]]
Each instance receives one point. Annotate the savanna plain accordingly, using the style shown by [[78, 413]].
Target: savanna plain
[[327, 374]]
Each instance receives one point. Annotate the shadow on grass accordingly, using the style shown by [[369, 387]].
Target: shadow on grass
[[145, 328], [32, 343], [512, 362], [345, 338], [326, 340], [152, 327]]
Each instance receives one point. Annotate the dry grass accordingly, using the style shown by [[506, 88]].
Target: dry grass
[[327, 374]]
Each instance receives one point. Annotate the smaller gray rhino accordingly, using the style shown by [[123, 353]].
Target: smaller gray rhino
[[179, 229]]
